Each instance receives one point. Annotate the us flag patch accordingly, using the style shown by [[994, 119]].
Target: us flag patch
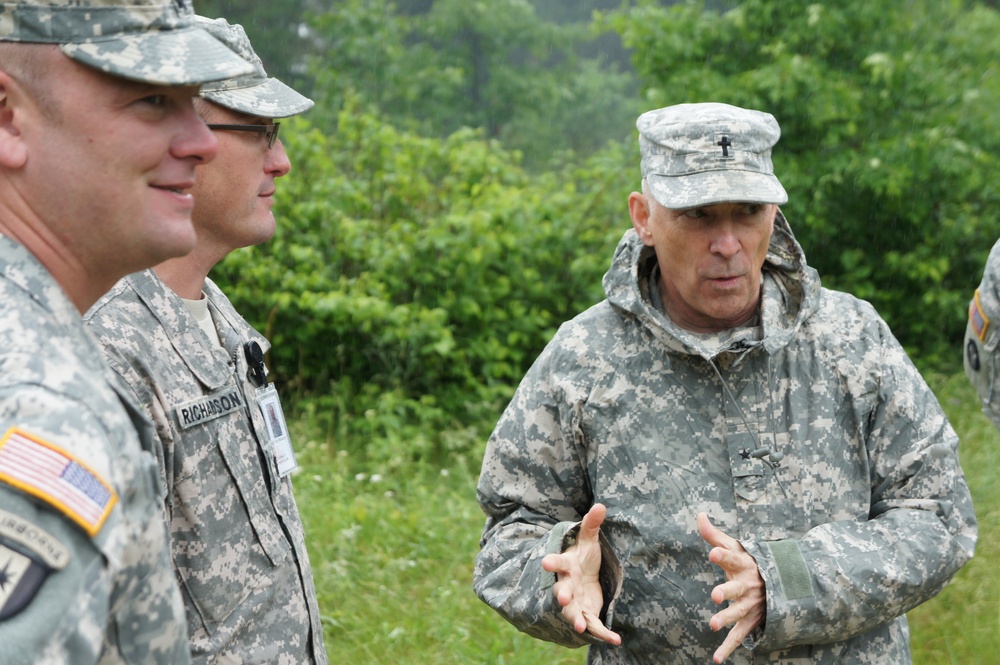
[[47, 472], [977, 318]]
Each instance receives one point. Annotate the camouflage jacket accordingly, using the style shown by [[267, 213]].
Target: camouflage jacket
[[237, 539], [982, 338], [84, 574], [866, 515]]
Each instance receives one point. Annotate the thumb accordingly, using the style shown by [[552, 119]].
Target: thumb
[[591, 524], [707, 530]]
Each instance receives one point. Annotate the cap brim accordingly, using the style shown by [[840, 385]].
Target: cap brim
[[270, 99], [711, 187], [185, 56]]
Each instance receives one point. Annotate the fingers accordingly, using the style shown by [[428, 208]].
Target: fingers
[[599, 630], [713, 536], [577, 588], [745, 616], [733, 640], [736, 611], [555, 563], [744, 588]]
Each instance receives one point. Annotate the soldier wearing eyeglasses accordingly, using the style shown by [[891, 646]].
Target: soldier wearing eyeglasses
[[197, 367]]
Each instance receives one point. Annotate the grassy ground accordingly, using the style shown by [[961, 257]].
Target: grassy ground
[[392, 557]]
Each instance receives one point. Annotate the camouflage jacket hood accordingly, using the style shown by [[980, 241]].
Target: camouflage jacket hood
[[790, 291]]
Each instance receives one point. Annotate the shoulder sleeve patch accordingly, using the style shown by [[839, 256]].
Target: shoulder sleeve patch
[[20, 579], [19, 532], [977, 318], [51, 474]]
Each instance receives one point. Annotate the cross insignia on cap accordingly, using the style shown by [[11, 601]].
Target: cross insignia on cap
[[725, 143]]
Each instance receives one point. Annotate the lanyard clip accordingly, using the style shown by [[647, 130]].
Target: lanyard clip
[[257, 373]]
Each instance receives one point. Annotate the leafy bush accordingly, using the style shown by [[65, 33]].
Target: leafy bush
[[888, 135], [422, 274], [413, 280]]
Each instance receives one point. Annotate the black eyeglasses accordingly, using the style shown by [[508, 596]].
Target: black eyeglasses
[[270, 132]]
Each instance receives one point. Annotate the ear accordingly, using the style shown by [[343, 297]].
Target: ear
[[13, 150], [639, 210]]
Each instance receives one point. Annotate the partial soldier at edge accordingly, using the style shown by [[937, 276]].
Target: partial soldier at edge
[[982, 338], [98, 146]]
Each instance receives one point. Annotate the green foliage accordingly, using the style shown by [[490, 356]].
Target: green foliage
[[417, 278], [493, 66], [888, 135], [274, 29], [392, 557], [420, 265]]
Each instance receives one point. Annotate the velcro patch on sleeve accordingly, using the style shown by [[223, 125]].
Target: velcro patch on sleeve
[[51, 474], [978, 320]]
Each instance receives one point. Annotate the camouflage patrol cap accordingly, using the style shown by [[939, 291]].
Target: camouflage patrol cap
[[255, 93], [153, 41], [702, 154]]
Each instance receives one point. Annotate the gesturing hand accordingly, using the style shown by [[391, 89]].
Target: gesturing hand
[[578, 587], [744, 588]]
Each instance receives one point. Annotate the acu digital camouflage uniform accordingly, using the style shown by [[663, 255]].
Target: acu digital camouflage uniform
[[108, 597], [982, 338], [238, 544], [808, 435], [83, 558]]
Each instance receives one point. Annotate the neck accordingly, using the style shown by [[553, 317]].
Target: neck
[[83, 287], [185, 275]]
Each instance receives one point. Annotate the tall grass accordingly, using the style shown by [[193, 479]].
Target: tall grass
[[392, 558]]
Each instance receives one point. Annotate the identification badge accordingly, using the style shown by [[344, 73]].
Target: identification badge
[[274, 420]]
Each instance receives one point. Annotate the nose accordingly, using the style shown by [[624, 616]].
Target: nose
[[277, 163], [726, 243], [194, 140]]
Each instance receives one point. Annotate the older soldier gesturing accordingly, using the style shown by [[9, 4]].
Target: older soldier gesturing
[[720, 431]]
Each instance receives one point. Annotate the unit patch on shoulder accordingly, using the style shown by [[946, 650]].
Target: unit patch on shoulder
[[51, 474], [978, 320], [19, 532], [20, 578]]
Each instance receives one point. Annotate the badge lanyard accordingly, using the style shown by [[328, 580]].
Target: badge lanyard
[[270, 410]]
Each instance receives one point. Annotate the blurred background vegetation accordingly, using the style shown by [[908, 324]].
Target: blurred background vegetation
[[460, 186]]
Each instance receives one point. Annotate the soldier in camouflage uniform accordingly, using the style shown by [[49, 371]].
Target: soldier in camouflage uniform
[[98, 143], [982, 338], [197, 368], [721, 442]]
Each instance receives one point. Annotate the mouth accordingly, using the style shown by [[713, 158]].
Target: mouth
[[177, 188], [727, 281]]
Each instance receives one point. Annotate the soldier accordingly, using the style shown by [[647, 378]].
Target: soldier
[[982, 338], [98, 146], [197, 368], [721, 430]]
